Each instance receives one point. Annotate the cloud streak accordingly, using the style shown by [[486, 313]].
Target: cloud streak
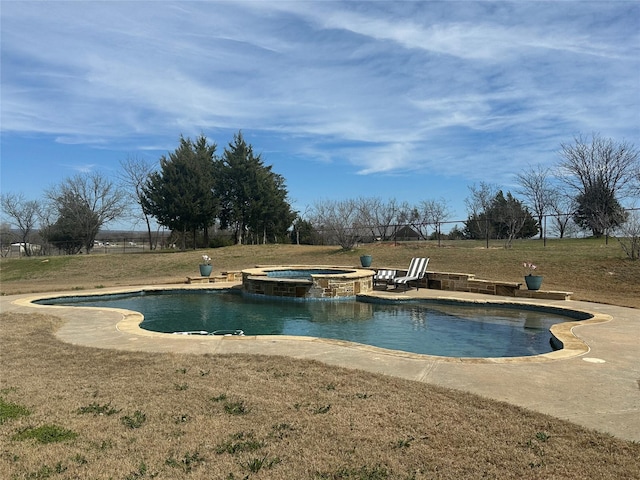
[[381, 87]]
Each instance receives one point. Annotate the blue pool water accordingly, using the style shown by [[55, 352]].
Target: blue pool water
[[419, 326], [303, 273]]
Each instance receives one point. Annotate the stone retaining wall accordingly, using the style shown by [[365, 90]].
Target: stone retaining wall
[[466, 282], [457, 282]]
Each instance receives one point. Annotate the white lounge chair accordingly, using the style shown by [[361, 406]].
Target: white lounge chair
[[416, 272], [384, 276]]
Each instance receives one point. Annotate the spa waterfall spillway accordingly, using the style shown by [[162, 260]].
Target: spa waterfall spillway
[[307, 282]]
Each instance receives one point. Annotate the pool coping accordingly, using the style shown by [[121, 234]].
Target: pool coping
[[563, 333]]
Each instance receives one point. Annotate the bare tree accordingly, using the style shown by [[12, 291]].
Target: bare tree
[[134, 175], [84, 204], [24, 215], [536, 189], [339, 221], [478, 203], [599, 171], [562, 208], [628, 235], [369, 210], [508, 212], [434, 213], [379, 217], [635, 185], [6, 239]]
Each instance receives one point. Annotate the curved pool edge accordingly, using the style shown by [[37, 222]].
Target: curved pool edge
[[127, 322]]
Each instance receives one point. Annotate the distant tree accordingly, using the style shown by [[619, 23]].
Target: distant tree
[[598, 210], [67, 233], [561, 207], [505, 218], [23, 215], [84, 204], [407, 215], [338, 222], [302, 232], [6, 239], [511, 219], [134, 174], [433, 213], [272, 215], [456, 234], [536, 189], [628, 235], [378, 217], [478, 203], [181, 196], [600, 171], [253, 198], [369, 211], [635, 186]]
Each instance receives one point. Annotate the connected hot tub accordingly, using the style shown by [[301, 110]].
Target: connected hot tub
[[311, 282]]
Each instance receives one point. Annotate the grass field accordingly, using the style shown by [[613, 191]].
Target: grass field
[[74, 412], [591, 269]]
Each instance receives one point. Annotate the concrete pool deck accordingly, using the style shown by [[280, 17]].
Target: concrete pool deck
[[595, 382]]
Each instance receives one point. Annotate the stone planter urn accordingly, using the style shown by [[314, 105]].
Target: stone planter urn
[[365, 260], [205, 270], [534, 282]]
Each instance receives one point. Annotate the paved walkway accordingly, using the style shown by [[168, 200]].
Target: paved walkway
[[594, 381]]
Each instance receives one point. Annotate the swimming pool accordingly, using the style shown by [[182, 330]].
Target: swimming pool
[[451, 329]]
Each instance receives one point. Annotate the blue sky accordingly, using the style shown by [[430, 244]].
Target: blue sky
[[407, 100]]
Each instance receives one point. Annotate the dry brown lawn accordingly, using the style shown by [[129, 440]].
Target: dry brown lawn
[[589, 268], [127, 415]]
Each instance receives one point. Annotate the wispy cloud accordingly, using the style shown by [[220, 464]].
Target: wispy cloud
[[385, 87]]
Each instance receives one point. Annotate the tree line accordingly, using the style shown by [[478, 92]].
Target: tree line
[[196, 194]]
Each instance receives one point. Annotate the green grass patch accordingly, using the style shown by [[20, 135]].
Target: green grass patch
[[322, 409], [235, 407], [97, 409], [10, 411], [239, 442], [46, 471], [134, 421], [46, 434], [254, 465], [141, 472], [377, 472], [187, 463]]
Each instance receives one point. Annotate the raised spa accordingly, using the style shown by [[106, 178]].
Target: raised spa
[[310, 282]]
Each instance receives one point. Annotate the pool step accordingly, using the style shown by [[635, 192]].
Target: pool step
[[212, 279], [544, 294]]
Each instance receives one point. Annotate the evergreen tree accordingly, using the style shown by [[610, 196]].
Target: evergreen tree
[[181, 195], [253, 198], [505, 218], [598, 209], [68, 233]]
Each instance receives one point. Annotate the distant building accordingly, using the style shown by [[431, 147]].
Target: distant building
[[21, 248], [407, 233]]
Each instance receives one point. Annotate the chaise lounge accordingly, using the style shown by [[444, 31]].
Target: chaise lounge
[[416, 272], [384, 276]]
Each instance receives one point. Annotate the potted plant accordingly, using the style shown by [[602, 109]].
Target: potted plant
[[365, 260], [534, 282], [205, 266]]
